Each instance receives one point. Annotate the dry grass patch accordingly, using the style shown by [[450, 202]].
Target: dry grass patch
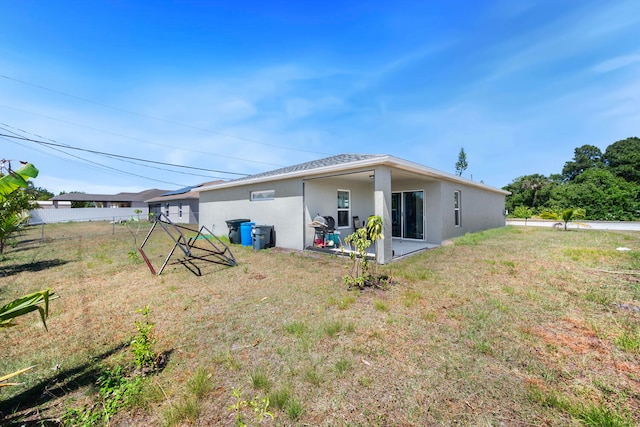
[[515, 326]]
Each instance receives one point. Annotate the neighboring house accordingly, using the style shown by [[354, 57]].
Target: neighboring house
[[180, 206], [420, 207], [120, 200]]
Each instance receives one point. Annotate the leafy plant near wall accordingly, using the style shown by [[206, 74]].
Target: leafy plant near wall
[[364, 272], [11, 220]]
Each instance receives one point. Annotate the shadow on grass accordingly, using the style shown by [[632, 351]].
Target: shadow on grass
[[31, 267], [21, 408]]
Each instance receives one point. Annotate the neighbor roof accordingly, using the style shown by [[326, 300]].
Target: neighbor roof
[[345, 162], [120, 197]]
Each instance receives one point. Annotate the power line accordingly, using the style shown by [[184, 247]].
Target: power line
[[160, 119], [119, 156], [134, 138], [101, 165]]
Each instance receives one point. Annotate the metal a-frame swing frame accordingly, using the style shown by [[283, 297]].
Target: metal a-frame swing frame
[[217, 251]]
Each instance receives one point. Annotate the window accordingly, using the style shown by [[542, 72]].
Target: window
[[344, 209], [456, 209], [180, 210], [257, 196], [166, 210]]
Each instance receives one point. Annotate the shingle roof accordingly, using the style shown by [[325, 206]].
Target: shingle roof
[[314, 164], [120, 197]]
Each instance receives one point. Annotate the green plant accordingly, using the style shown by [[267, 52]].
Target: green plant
[[380, 305], [629, 339], [332, 328], [116, 392], [260, 380], [142, 343], [362, 274], [549, 215], [27, 304], [342, 365], [566, 216], [259, 407], [14, 203], [522, 212], [279, 398], [20, 307], [200, 383], [294, 409], [296, 328], [184, 410]]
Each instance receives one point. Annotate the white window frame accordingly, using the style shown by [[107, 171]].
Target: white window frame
[[179, 209], [166, 209], [262, 195], [457, 208], [343, 209]]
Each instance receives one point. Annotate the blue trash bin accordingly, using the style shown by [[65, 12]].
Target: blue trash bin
[[246, 239]]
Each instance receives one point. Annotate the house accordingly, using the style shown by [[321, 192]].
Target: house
[[120, 200], [421, 207], [180, 206]]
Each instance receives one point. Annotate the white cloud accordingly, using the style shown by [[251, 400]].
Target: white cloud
[[616, 63]]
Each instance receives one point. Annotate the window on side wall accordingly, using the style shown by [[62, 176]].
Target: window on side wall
[[180, 210], [457, 213], [344, 208], [166, 210], [260, 195]]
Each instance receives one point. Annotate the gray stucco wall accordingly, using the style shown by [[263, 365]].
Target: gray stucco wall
[[321, 197], [480, 210], [284, 212]]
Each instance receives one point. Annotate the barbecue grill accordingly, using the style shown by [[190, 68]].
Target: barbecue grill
[[322, 225]]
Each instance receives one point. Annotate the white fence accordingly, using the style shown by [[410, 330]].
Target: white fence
[[49, 216]]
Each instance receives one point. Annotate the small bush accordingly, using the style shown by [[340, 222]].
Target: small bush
[[549, 215]]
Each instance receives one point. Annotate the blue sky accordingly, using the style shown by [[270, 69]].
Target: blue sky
[[250, 86]]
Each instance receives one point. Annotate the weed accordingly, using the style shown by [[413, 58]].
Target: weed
[[280, 398], [598, 415], [332, 328], [229, 361], [296, 328], [185, 410], [346, 302], [629, 339], [294, 409], [258, 406], [312, 376], [142, 343], [260, 380], [342, 365], [199, 385], [598, 295], [380, 305], [365, 382], [116, 392], [411, 298]]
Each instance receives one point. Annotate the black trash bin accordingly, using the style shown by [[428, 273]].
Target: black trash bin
[[234, 229], [263, 237]]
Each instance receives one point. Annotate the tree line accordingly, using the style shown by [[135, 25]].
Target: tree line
[[600, 186]]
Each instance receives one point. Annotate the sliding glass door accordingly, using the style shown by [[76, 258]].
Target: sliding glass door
[[407, 214]]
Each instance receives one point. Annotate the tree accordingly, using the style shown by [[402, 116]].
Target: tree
[[623, 159], [601, 194], [585, 157], [38, 193], [461, 164]]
